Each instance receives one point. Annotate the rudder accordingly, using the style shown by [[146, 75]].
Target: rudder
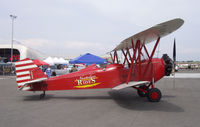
[[27, 72]]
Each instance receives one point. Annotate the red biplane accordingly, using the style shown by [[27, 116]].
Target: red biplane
[[135, 71]]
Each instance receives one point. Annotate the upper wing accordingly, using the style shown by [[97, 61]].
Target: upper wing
[[151, 34], [132, 83]]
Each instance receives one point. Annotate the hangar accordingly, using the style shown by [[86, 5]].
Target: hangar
[[19, 52]]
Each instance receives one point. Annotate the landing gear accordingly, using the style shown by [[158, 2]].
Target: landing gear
[[154, 95], [142, 93], [43, 88], [42, 95]]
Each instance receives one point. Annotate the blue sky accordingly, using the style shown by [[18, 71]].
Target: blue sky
[[72, 27]]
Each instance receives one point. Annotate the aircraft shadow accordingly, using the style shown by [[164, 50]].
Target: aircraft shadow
[[51, 96], [37, 97], [125, 98], [128, 98], [84, 97]]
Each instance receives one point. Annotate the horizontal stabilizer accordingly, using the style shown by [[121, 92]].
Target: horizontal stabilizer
[[30, 82], [133, 83]]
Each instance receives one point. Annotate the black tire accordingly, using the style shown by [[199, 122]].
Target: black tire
[[154, 95], [42, 96], [140, 93]]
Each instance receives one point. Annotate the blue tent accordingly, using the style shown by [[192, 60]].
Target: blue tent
[[88, 59]]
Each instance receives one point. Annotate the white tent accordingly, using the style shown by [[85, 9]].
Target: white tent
[[56, 60], [63, 61], [49, 60]]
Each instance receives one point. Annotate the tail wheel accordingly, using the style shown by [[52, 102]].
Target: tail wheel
[[141, 93], [154, 95]]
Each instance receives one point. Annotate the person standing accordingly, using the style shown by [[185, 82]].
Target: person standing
[[74, 69]]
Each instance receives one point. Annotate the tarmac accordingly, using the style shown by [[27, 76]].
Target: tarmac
[[179, 106]]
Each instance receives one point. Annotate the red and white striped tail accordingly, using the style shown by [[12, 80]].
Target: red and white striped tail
[[27, 72]]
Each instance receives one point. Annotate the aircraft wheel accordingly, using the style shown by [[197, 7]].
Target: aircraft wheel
[[42, 95], [140, 93], [154, 95]]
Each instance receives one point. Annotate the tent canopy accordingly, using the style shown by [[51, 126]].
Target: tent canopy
[[40, 62], [49, 60], [55, 60], [88, 59], [63, 61]]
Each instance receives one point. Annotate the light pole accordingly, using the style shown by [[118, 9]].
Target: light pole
[[12, 17]]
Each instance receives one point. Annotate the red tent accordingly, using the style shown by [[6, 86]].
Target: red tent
[[40, 62]]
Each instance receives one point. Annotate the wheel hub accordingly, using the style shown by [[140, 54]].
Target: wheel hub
[[154, 95]]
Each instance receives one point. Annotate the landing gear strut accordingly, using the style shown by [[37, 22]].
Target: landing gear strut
[[152, 94], [42, 95], [141, 93]]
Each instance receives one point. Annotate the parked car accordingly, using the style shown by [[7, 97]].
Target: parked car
[[55, 70]]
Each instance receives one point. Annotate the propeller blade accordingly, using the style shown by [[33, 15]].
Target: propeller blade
[[174, 60], [174, 51]]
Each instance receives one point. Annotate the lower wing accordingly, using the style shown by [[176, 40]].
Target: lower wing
[[130, 84]]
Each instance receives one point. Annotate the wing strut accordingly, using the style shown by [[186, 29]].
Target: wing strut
[[150, 58], [133, 59], [125, 55], [115, 57], [136, 59], [146, 51]]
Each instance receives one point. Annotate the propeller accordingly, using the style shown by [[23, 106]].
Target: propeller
[[174, 60], [169, 63], [174, 55]]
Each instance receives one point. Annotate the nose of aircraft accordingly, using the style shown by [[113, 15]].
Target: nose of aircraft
[[168, 64]]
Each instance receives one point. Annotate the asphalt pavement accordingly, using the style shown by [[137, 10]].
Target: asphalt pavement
[[179, 106]]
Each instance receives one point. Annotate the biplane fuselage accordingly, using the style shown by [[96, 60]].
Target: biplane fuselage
[[93, 77]]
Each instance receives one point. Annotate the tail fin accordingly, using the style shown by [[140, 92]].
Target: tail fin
[[27, 73]]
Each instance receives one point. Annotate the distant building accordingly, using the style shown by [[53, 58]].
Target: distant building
[[19, 52]]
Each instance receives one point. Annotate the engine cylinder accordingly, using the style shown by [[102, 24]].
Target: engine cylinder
[[168, 64]]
